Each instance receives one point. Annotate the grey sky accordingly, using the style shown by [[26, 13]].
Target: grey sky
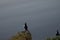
[[42, 17]]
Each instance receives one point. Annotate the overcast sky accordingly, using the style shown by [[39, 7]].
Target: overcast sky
[[42, 16]]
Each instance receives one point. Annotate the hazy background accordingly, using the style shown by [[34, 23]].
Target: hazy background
[[42, 16]]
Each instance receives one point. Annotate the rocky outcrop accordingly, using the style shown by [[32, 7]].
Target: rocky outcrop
[[54, 38], [23, 35]]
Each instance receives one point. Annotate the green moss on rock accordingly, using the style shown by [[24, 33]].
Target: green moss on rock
[[54, 38], [23, 35]]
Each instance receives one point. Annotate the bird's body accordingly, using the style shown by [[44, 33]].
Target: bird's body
[[26, 27], [57, 34]]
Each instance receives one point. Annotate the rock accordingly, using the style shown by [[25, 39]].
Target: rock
[[23, 35], [54, 38]]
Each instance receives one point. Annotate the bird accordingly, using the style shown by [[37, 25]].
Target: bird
[[26, 27], [57, 34]]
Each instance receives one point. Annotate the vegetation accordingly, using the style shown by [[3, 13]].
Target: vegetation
[[24, 35], [54, 38]]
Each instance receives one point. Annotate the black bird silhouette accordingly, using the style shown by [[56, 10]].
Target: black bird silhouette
[[57, 34], [26, 27]]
